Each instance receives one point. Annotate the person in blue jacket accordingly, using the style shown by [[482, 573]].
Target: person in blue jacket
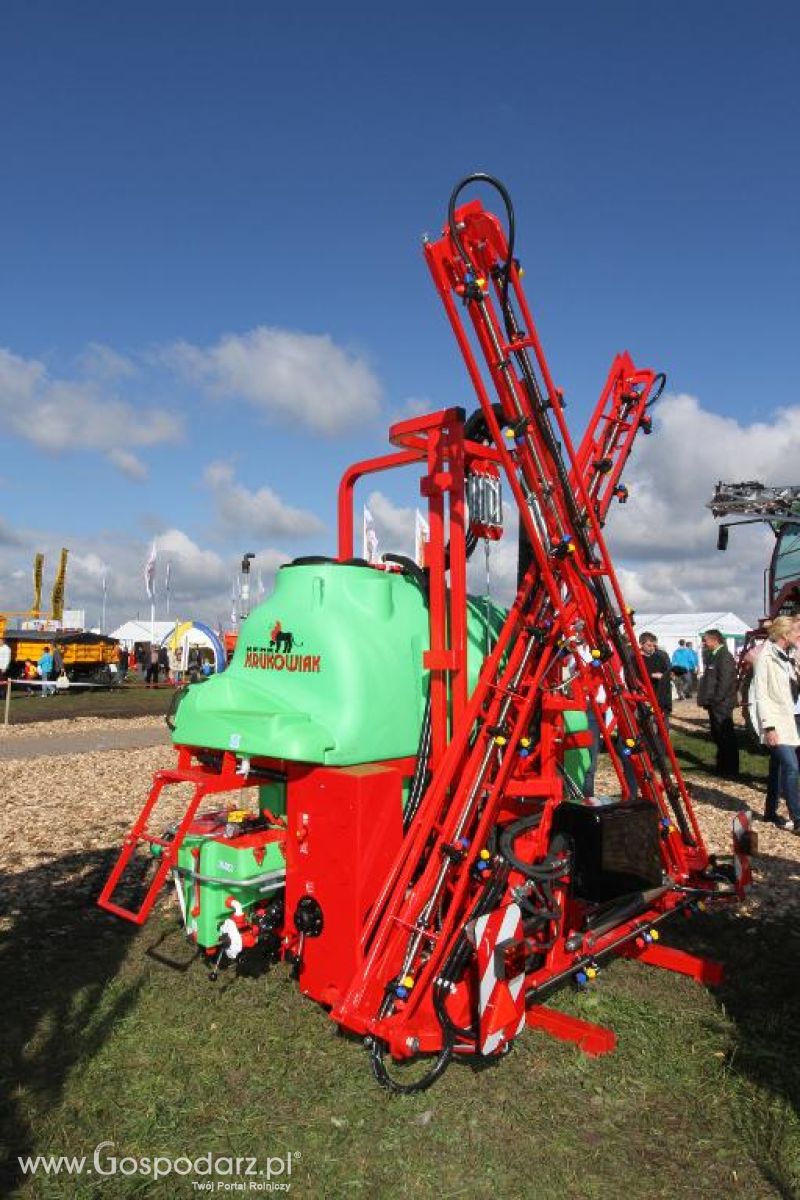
[[46, 664], [681, 667]]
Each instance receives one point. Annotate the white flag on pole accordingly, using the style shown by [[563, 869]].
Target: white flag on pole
[[150, 574], [422, 535], [167, 574], [370, 538]]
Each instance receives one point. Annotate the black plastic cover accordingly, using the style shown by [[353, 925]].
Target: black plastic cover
[[615, 846]]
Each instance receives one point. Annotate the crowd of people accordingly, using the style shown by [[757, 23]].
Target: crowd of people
[[774, 703], [157, 664], [47, 676]]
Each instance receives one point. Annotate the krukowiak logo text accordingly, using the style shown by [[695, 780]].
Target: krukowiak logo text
[[257, 656]]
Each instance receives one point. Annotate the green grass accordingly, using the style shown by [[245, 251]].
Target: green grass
[[696, 751], [107, 1043], [103, 1042], [128, 700]]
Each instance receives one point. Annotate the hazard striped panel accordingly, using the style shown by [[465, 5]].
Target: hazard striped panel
[[743, 847], [501, 999]]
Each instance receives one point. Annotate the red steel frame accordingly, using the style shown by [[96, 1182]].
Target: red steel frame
[[436, 441], [206, 782]]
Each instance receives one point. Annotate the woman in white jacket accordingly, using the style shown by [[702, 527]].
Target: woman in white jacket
[[774, 692]]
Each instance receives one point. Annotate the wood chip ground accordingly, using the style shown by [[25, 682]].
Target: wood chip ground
[[53, 809]]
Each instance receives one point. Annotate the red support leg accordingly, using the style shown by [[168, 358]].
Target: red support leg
[[593, 1040], [704, 970]]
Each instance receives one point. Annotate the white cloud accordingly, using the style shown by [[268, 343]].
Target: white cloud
[[394, 526], [103, 362], [300, 377], [672, 474], [412, 406], [65, 414], [261, 513], [128, 464], [194, 570], [664, 538], [200, 577], [8, 536]]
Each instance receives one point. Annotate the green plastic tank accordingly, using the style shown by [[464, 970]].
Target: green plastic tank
[[576, 759], [327, 670], [242, 867]]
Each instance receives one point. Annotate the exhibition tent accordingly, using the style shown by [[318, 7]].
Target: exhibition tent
[[669, 628]]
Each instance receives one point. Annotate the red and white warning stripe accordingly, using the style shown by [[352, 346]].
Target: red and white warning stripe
[[742, 846], [501, 1001]]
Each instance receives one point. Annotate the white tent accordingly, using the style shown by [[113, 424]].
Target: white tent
[[141, 631], [669, 628]]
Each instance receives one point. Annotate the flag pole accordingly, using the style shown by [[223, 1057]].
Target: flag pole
[[150, 585]]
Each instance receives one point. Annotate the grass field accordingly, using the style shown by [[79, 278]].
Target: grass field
[[109, 1044], [128, 700], [696, 751], [102, 1041]]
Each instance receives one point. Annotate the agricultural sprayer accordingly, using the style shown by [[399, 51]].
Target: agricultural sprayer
[[394, 769]]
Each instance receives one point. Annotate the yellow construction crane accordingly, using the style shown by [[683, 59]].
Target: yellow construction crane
[[34, 613]]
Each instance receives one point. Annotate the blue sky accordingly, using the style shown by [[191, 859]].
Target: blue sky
[[180, 174]]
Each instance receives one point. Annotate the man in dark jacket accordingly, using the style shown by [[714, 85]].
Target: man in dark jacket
[[717, 693], [659, 669]]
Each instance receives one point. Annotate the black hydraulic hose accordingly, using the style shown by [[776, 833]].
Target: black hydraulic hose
[[376, 1053], [453, 969], [174, 705], [463, 950], [550, 868], [419, 781], [482, 177], [412, 568], [662, 383]]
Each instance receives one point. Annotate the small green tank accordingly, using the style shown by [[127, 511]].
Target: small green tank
[[228, 862]]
